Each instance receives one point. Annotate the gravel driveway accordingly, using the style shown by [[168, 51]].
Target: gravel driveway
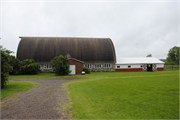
[[42, 102]]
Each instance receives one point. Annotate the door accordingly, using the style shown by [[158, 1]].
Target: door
[[72, 68], [149, 67]]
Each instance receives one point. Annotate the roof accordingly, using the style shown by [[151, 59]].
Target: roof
[[88, 50], [139, 60], [70, 58]]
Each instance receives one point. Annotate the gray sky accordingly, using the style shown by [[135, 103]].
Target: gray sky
[[137, 28]]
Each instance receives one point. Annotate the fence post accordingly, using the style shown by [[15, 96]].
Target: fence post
[[172, 67]]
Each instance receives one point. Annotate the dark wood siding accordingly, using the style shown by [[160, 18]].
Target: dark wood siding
[[79, 65], [89, 50]]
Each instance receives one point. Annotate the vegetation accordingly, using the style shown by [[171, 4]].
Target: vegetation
[[150, 55], [59, 65], [171, 67], [5, 66], [126, 95], [16, 86], [29, 66], [39, 75], [13, 66], [86, 70], [173, 56], [15, 63]]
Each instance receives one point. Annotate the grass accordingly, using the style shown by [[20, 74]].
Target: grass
[[13, 87], [126, 95], [171, 67], [40, 75]]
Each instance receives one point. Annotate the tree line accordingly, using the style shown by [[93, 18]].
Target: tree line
[[13, 66], [172, 56]]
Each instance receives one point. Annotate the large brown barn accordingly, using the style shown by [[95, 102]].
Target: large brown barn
[[98, 54]]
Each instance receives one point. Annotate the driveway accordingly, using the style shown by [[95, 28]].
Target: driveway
[[41, 102]]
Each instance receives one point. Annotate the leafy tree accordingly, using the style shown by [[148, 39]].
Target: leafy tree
[[29, 66], [15, 63], [173, 56], [149, 55], [5, 66], [59, 65]]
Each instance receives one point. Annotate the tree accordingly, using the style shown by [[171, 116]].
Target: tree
[[59, 65], [149, 55], [173, 56], [29, 66], [15, 63], [5, 66]]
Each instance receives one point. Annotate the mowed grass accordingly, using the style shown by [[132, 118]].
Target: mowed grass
[[41, 75], [13, 87], [126, 95]]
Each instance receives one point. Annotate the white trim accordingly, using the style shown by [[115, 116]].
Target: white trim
[[98, 65]]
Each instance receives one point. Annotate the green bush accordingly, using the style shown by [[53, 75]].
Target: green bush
[[5, 66], [29, 66], [15, 63], [59, 65], [86, 70]]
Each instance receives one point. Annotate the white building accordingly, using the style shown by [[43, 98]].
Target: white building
[[139, 64]]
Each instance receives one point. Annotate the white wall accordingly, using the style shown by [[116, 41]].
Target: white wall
[[136, 65], [126, 66], [160, 65]]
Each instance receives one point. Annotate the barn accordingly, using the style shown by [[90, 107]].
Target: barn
[[139, 64], [97, 54]]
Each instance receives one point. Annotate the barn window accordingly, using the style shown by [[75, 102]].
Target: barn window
[[46, 66], [118, 66], [141, 65], [129, 66], [97, 65], [107, 65], [88, 65]]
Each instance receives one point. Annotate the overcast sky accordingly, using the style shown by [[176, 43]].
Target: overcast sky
[[137, 28]]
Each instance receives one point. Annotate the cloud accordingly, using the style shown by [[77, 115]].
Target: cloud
[[136, 28]]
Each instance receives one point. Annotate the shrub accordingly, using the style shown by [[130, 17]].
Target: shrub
[[15, 63], [59, 65], [86, 70], [28, 66], [5, 66]]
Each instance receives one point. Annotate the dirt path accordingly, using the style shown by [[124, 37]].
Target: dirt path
[[42, 102]]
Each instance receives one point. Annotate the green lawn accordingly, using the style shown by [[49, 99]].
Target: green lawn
[[16, 86], [126, 95], [40, 75]]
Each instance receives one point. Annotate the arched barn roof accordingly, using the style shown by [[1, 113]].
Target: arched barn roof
[[88, 50]]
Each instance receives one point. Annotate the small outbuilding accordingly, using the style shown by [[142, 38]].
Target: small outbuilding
[[139, 64], [76, 66]]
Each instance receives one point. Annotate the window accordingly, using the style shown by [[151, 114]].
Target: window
[[107, 65], [118, 66], [88, 65], [129, 66], [97, 65], [46, 66], [141, 65]]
